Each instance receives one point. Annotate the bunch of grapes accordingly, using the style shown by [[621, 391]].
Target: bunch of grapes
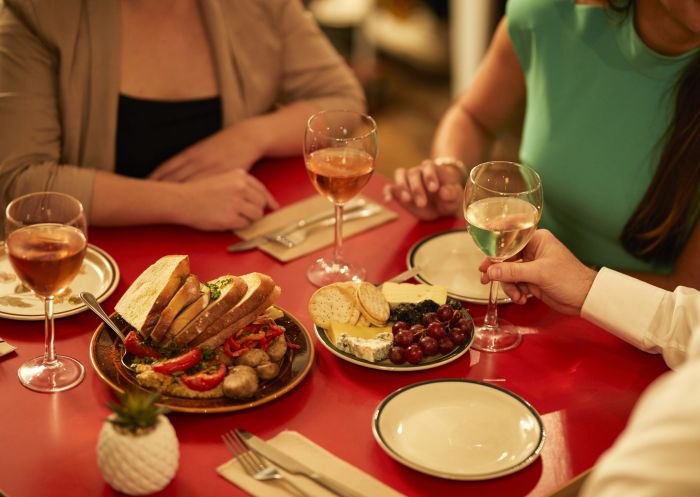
[[439, 332]]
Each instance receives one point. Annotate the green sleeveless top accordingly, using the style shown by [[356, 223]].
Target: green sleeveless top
[[599, 102]]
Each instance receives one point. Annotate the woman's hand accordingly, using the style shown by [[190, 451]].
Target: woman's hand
[[229, 149], [548, 270], [225, 201], [428, 191]]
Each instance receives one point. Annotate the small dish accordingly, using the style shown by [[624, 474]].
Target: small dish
[[99, 276], [459, 429], [105, 355], [451, 259], [387, 365]]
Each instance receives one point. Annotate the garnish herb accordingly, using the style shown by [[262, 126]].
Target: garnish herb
[[216, 286]]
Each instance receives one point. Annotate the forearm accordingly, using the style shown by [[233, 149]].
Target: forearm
[[120, 200], [459, 135]]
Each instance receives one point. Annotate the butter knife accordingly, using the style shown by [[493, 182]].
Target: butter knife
[[293, 466], [254, 242]]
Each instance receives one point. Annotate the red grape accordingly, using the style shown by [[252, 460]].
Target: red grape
[[446, 345], [398, 326], [414, 354], [436, 330], [445, 312], [464, 324], [396, 354], [403, 338], [429, 345], [418, 331], [430, 317], [457, 336]]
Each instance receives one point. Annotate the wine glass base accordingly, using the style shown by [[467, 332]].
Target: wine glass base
[[60, 375], [324, 272], [489, 339]]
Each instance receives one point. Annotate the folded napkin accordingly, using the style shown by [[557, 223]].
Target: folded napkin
[[303, 449], [5, 348], [317, 239]]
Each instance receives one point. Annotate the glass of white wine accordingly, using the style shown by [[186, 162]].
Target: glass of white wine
[[340, 148], [502, 206], [46, 240]]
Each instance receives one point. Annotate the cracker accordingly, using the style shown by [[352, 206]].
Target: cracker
[[362, 321], [331, 303], [373, 303]]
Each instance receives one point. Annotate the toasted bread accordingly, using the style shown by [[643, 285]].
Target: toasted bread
[[188, 313], [227, 291], [259, 288], [224, 334], [188, 293], [150, 293]]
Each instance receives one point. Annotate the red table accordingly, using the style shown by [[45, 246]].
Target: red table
[[583, 381]]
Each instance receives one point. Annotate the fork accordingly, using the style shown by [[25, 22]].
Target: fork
[[296, 237], [252, 463]]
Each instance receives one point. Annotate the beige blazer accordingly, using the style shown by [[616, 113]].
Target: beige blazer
[[59, 81]]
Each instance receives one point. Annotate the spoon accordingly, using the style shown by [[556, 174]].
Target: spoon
[[95, 307]]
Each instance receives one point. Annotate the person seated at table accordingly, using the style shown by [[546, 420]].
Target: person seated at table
[[611, 123], [155, 111], [657, 454]]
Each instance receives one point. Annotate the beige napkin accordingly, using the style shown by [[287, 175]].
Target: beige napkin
[[318, 238], [5, 348], [303, 449]]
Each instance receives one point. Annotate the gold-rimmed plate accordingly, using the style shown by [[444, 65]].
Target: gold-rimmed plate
[[105, 353], [99, 275]]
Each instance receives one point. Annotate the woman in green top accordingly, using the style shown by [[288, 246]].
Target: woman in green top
[[612, 124]]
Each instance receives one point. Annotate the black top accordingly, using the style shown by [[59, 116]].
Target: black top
[[151, 131]]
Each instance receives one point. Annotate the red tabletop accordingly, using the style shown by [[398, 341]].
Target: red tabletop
[[583, 381]]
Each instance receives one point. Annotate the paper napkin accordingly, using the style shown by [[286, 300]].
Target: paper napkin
[[317, 239], [312, 455], [5, 348]]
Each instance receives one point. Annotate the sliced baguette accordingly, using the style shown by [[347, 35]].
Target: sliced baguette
[[150, 293], [231, 290], [259, 288], [223, 335], [188, 313], [188, 293]]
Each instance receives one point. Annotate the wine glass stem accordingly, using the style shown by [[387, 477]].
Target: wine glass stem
[[338, 249], [491, 317], [49, 350]]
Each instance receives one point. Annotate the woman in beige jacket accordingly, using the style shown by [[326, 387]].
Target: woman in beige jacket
[[81, 82]]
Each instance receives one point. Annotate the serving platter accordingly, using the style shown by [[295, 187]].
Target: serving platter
[[459, 429], [98, 275], [387, 365], [106, 348], [451, 259]]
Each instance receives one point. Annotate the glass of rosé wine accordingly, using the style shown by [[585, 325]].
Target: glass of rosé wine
[[340, 147], [502, 206], [46, 240]]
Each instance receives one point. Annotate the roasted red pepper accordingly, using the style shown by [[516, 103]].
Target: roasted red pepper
[[207, 378], [183, 362], [136, 346]]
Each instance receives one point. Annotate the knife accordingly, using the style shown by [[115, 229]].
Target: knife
[[293, 466], [256, 241]]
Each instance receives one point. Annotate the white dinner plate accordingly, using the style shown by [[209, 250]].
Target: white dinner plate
[[459, 429], [99, 276], [451, 259]]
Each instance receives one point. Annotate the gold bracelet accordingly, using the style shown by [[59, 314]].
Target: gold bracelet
[[456, 163]]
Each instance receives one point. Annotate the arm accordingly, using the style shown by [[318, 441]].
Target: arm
[[686, 271], [313, 77], [466, 132]]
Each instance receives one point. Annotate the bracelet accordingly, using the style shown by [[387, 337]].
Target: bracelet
[[456, 163]]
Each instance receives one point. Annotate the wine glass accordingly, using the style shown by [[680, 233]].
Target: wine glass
[[502, 206], [340, 147], [45, 236]]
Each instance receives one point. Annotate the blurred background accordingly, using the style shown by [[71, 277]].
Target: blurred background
[[412, 57]]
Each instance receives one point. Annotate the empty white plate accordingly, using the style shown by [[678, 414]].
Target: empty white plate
[[451, 259], [459, 429]]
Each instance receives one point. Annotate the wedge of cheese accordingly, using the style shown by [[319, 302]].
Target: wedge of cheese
[[366, 332], [397, 293]]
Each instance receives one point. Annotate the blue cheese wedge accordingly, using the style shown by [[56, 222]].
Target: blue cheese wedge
[[370, 349]]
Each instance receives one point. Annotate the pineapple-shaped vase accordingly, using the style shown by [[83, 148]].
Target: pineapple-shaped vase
[[137, 450]]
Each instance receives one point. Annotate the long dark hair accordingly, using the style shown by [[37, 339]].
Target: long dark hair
[[660, 225]]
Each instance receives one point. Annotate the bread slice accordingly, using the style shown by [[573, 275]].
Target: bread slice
[[188, 313], [226, 292], [259, 288], [150, 293], [188, 293], [245, 320]]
